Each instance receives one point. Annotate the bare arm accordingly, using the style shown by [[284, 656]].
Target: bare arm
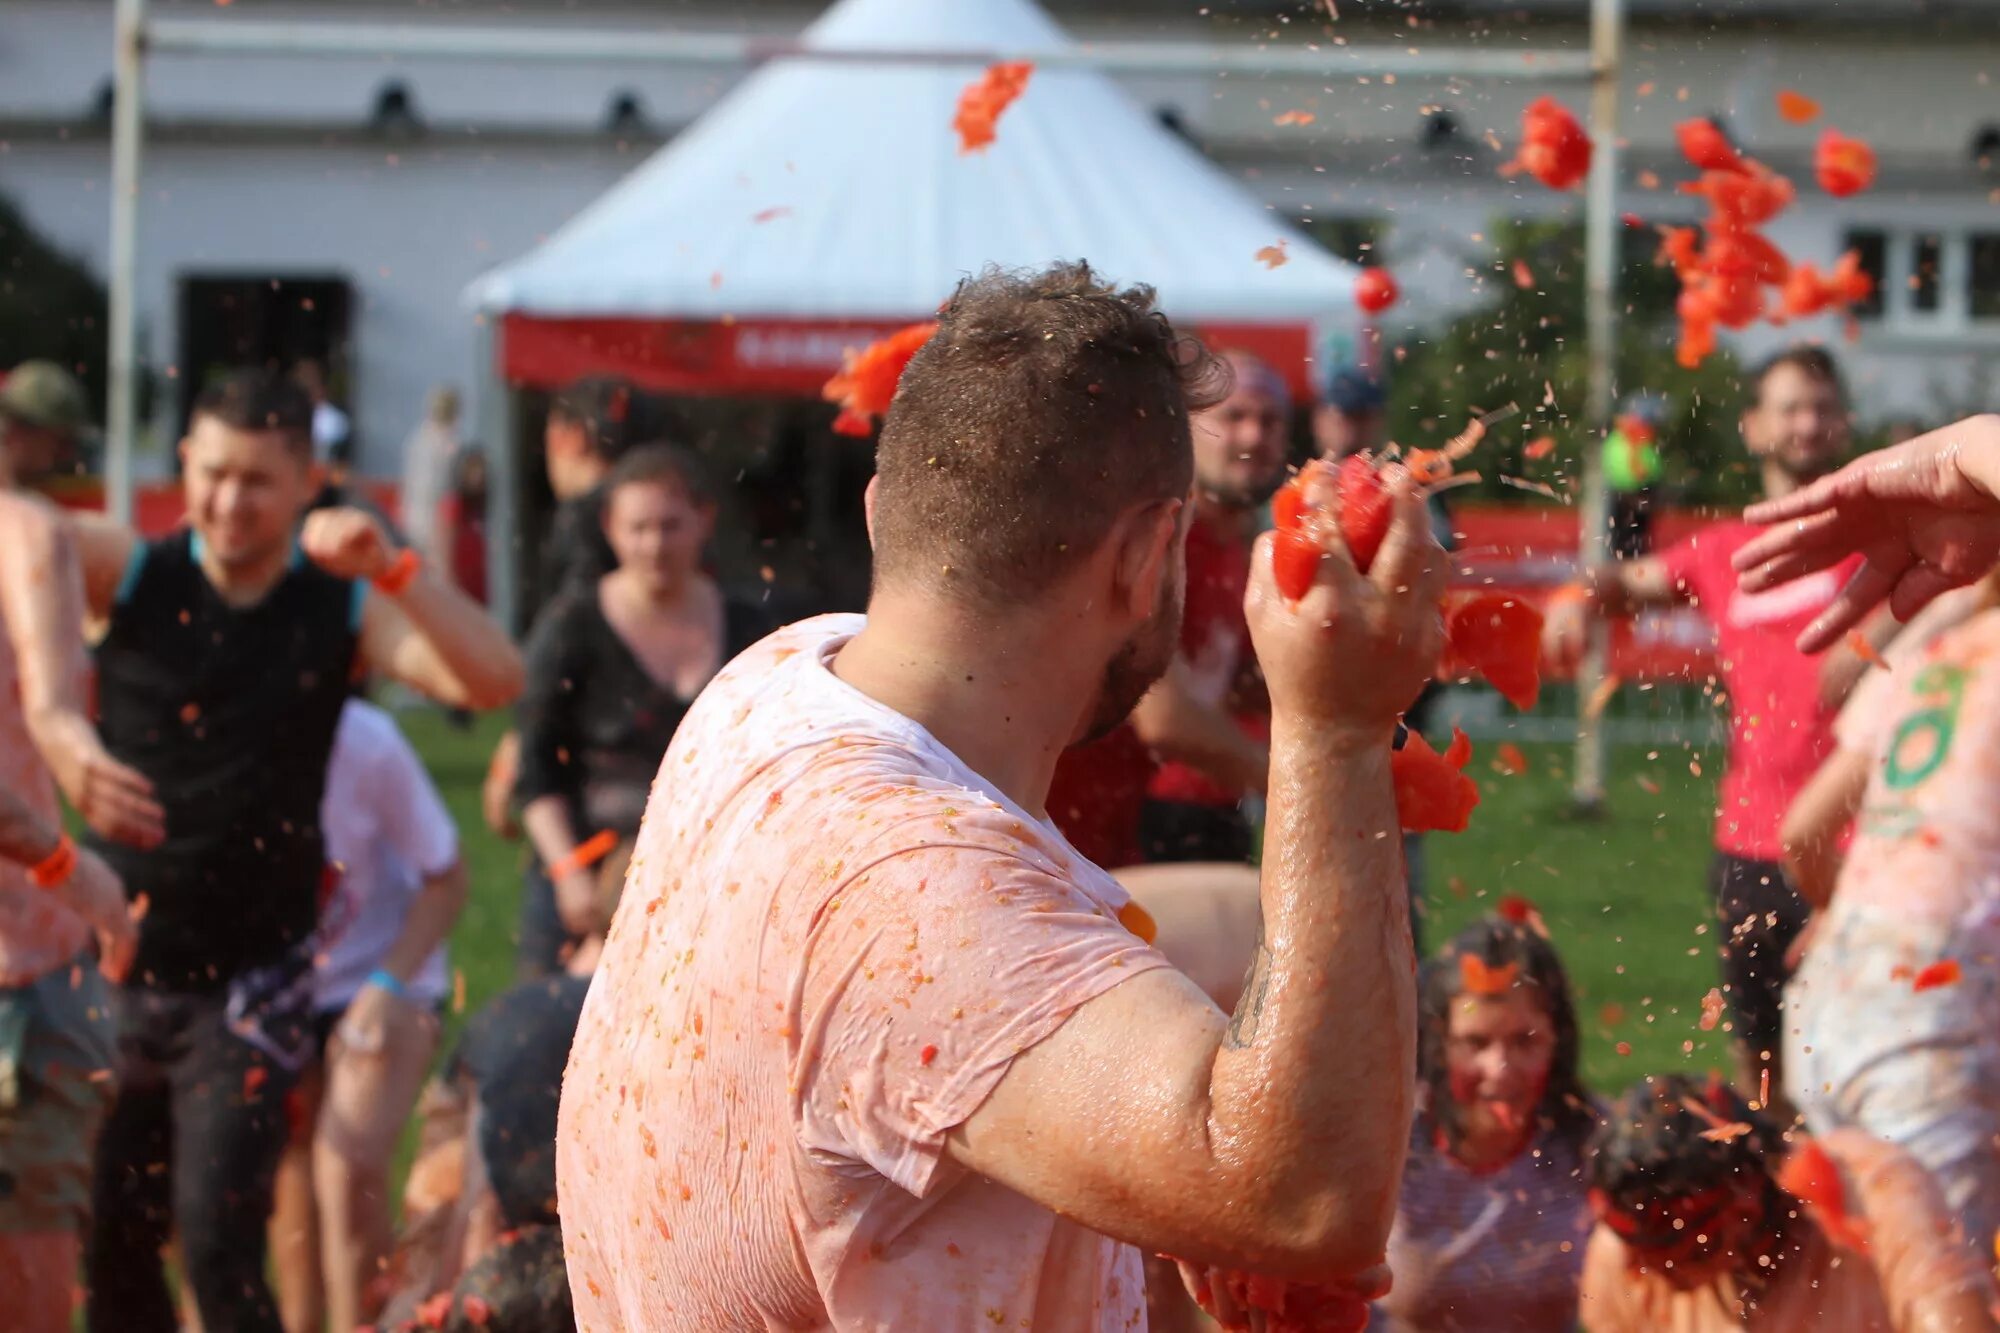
[[42, 600], [1172, 721], [1625, 586], [1273, 1141], [428, 634], [440, 642], [25, 838], [1813, 824], [433, 912], [91, 888], [1206, 919], [1613, 590]]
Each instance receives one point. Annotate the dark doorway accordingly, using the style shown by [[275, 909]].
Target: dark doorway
[[233, 320]]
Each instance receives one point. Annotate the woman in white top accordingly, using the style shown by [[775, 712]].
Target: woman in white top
[[397, 885]]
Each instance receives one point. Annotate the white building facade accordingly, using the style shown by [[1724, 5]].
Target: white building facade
[[338, 207]]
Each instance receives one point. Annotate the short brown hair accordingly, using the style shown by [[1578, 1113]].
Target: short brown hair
[[1815, 363], [259, 400], [1045, 404], [662, 465], [605, 409]]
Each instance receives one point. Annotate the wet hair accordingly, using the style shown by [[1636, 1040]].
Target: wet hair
[[1649, 1152], [1566, 1109], [1815, 363], [605, 410], [259, 401], [1045, 405], [668, 465]]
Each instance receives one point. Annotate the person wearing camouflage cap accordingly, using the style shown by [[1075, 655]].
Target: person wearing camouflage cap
[[44, 412]]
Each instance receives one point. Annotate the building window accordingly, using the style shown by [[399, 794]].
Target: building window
[[1985, 278], [1926, 272], [1930, 282]]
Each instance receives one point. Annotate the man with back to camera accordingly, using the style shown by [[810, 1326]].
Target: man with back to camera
[[1782, 702], [870, 1045], [229, 652]]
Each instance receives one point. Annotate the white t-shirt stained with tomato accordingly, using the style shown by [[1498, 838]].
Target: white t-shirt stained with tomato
[[834, 940]]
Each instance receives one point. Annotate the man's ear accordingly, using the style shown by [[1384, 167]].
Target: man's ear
[[868, 508], [1148, 545]]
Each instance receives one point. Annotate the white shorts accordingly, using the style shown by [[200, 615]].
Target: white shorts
[[1864, 1050]]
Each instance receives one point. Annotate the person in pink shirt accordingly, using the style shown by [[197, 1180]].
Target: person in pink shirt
[[870, 1046], [1695, 1235], [1781, 700]]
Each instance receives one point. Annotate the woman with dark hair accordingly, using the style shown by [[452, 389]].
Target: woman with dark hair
[[1695, 1232], [1491, 1224], [612, 669]]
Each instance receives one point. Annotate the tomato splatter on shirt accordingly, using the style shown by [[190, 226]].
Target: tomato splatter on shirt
[[870, 955]]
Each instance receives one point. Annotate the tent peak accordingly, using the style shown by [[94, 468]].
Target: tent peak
[[968, 26]]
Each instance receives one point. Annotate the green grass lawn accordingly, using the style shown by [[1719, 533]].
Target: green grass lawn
[[1624, 896]]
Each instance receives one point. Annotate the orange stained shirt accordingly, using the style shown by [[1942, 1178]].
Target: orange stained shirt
[[833, 941]]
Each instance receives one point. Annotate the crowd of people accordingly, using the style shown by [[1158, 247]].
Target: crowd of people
[[1040, 949]]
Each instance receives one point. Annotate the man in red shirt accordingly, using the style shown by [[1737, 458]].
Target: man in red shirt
[[1781, 702], [1165, 786], [1239, 462]]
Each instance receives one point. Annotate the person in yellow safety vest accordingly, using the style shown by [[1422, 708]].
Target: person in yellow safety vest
[[1632, 470]]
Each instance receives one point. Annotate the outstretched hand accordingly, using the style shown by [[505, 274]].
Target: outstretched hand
[[1924, 515]]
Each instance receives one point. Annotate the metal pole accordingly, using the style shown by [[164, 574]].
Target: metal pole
[[127, 130], [1600, 267], [455, 41], [493, 408]]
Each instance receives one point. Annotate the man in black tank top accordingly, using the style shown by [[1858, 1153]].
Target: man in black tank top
[[230, 648]]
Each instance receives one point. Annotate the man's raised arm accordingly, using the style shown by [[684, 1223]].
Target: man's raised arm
[[1271, 1141]]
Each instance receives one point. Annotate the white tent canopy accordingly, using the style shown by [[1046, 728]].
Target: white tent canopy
[[870, 211]]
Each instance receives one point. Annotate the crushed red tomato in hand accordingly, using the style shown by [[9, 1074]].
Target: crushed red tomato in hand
[[1554, 149], [1433, 794], [980, 105], [1813, 1178], [866, 384]]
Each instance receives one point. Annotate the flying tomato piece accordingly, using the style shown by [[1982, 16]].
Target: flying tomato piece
[[1376, 290], [1499, 636], [1432, 793], [1843, 165], [867, 382], [1813, 1178]]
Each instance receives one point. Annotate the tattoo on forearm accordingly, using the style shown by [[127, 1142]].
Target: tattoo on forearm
[[1250, 1006]]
